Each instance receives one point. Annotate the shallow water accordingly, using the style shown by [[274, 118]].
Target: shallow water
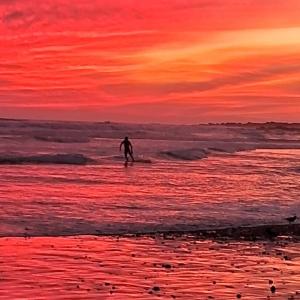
[[127, 268], [245, 188]]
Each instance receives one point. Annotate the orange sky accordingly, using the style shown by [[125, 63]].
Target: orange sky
[[179, 61]]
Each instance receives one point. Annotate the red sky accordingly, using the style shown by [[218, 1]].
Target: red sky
[[171, 61]]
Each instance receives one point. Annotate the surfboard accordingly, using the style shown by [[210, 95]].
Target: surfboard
[[143, 161], [139, 160]]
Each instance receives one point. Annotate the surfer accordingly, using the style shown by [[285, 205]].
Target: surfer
[[127, 148]]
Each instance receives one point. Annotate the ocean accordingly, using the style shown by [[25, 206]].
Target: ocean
[[64, 178]]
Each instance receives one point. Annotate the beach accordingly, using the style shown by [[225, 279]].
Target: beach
[[89, 267]]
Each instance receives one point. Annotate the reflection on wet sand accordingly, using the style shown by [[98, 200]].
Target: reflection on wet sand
[[87, 267]]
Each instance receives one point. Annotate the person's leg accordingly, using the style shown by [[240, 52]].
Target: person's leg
[[126, 155], [131, 156]]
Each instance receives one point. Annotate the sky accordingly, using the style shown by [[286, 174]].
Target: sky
[[167, 61]]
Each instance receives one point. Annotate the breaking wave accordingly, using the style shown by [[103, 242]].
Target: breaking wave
[[184, 154], [64, 139], [71, 159], [200, 153]]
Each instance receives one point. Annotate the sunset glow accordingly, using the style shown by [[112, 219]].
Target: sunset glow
[[178, 61]]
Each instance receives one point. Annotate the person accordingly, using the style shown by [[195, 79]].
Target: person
[[127, 148]]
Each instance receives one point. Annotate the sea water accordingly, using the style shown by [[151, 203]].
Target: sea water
[[176, 184]]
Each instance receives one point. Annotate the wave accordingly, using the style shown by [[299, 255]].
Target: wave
[[71, 159], [200, 153], [184, 154], [64, 139]]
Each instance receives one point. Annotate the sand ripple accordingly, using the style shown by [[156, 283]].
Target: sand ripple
[[143, 268]]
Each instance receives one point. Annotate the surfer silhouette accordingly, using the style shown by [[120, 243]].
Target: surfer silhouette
[[128, 150]]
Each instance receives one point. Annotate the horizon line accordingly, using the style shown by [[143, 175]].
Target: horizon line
[[147, 123]]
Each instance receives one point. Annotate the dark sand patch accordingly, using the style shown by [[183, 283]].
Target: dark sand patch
[[247, 233]]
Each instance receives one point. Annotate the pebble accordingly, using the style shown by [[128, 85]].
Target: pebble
[[156, 288], [166, 265]]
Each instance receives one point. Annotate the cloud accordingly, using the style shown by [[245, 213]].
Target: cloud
[[179, 15], [13, 16], [240, 78], [90, 55], [4, 82], [8, 66], [10, 2], [256, 109]]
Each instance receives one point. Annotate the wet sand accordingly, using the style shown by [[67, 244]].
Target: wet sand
[[148, 267], [244, 233]]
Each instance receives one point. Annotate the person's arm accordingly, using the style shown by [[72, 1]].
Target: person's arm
[[121, 145]]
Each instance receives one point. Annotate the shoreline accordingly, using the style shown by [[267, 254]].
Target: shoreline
[[241, 233], [269, 232]]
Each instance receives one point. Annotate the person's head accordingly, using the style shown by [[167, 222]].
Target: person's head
[[126, 138]]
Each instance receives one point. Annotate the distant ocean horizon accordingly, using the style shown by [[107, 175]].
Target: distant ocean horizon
[[75, 120]]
